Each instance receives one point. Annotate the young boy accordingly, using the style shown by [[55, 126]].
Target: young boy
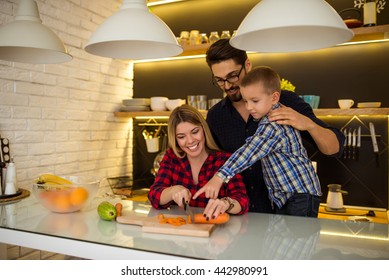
[[289, 175]]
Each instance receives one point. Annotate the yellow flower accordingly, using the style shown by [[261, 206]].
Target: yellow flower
[[286, 85]]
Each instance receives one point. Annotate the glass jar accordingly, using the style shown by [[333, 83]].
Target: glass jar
[[184, 38], [213, 37], [194, 37], [203, 38], [234, 33], [225, 34]]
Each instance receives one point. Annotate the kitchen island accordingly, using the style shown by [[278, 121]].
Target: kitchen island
[[249, 237]]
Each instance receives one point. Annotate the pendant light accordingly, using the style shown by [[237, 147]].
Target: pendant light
[[133, 33], [291, 26], [27, 40]]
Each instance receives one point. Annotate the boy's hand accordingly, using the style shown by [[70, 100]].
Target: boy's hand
[[211, 189]]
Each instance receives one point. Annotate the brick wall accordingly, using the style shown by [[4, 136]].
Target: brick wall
[[59, 117]]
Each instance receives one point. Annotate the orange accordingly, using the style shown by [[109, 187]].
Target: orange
[[62, 202], [78, 196]]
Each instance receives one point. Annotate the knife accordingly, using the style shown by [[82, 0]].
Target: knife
[[188, 210], [374, 140], [358, 143], [349, 143], [354, 143], [345, 143]]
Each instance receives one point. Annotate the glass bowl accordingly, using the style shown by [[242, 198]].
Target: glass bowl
[[65, 198]]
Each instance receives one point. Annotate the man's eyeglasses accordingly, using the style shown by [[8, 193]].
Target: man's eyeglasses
[[231, 79]]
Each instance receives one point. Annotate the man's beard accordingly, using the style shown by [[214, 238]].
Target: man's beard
[[234, 97]]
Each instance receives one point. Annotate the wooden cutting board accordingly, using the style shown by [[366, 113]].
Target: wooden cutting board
[[152, 225]]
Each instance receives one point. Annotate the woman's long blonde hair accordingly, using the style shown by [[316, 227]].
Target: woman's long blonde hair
[[187, 113]]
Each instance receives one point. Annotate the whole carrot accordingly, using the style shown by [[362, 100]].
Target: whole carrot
[[119, 209]]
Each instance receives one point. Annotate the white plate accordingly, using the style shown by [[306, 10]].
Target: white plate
[[360, 219], [134, 108], [369, 104], [136, 102]]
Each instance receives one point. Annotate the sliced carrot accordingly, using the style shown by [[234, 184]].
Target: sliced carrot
[[189, 219], [221, 219], [177, 221]]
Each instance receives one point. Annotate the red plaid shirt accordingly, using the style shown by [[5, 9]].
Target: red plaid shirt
[[177, 171]]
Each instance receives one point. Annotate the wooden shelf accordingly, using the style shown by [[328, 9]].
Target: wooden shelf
[[378, 32], [318, 112]]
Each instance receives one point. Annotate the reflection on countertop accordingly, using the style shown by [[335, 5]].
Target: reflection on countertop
[[248, 237]]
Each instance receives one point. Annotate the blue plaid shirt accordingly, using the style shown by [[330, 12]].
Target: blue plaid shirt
[[285, 163]]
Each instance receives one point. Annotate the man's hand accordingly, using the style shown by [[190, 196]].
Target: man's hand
[[288, 116], [211, 189], [325, 139]]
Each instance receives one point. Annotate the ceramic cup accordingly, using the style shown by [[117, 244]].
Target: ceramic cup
[[345, 103], [152, 145]]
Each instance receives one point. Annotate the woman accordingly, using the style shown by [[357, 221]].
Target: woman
[[191, 160]]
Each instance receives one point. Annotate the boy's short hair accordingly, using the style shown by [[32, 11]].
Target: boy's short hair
[[264, 74]]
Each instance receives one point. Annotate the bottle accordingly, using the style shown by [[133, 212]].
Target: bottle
[[213, 37], [10, 179], [225, 34], [369, 13]]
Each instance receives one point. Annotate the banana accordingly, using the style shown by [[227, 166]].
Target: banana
[[51, 179]]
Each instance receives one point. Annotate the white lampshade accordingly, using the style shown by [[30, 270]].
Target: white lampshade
[[291, 26], [27, 40], [133, 33]]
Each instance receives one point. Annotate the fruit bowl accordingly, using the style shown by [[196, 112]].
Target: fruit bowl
[[65, 198]]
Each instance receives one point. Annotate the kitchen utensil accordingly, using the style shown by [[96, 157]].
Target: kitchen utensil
[[152, 225], [349, 142], [335, 198], [354, 145], [358, 143], [187, 209], [373, 137], [152, 145], [374, 141], [345, 143]]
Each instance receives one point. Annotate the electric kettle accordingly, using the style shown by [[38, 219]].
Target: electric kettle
[[335, 198]]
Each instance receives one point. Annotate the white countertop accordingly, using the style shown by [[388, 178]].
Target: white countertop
[[248, 237]]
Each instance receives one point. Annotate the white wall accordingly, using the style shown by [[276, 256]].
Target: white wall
[[59, 117]]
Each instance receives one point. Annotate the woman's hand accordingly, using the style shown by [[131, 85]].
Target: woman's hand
[[180, 194], [215, 207], [175, 193]]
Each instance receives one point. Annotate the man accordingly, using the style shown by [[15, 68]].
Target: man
[[231, 123]]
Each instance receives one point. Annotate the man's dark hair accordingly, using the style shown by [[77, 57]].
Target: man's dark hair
[[221, 50]]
